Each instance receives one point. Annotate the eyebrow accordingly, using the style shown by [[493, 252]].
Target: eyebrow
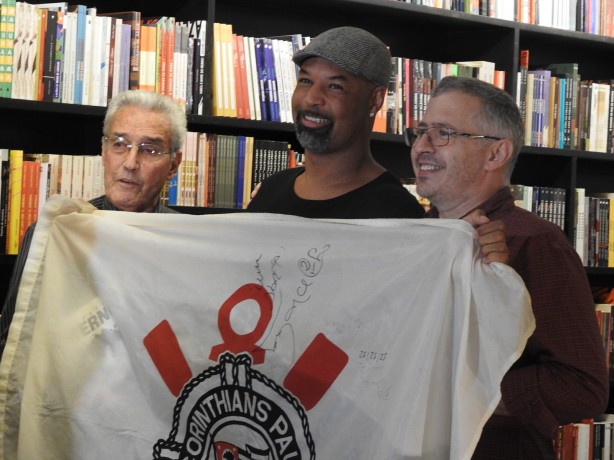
[[144, 140], [434, 125], [333, 77]]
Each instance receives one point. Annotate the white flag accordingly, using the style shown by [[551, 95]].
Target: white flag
[[255, 336]]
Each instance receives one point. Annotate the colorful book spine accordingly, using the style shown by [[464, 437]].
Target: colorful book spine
[[7, 37], [14, 210]]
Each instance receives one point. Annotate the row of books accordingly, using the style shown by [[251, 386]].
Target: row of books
[[217, 171], [253, 77], [413, 80], [586, 440], [28, 179], [561, 110], [594, 228], [221, 170], [546, 202], [58, 52], [592, 16]]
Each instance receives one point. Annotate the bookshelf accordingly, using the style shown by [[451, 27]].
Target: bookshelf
[[411, 31]]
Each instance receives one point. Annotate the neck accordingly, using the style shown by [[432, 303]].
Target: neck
[[329, 175]]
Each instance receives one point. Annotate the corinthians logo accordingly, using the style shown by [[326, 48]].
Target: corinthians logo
[[231, 411], [231, 401]]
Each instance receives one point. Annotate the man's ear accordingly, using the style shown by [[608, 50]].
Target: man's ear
[[377, 100], [499, 154], [175, 162]]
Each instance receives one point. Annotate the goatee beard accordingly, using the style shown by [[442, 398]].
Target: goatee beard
[[316, 140]]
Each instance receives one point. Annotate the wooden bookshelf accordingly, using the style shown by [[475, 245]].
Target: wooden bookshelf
[[410, 31]]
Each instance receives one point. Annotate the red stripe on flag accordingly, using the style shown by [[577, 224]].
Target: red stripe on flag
[[163, 347], [315, 371]]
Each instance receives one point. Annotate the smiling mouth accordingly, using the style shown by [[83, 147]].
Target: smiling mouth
[[429, 167], [313, 119]]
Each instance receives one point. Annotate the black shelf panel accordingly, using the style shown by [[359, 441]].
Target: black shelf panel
[[601, 277]]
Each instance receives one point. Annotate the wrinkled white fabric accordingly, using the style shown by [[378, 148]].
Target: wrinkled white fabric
[[255, 336]]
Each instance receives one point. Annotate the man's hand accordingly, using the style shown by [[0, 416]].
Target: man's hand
[[491, 237]]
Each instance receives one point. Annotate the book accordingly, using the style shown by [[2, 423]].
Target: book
[[522, 83], [19, 54], [240, 77], [4, 197], [580, 224], [583, 440], [197, 45], [58, 68], [229, 104], [253, 88], [76, 176], [212, 141], [65, 176], [541, 102], [159, 48], [7, 39], [133, 19], [605, 320], [36, 84], [43, 187], [124, 65], [30, 183], [69, 57], [147, 58], [47, 83], [14, 208], [247, 172], [201, 170], [217, 85], [391, 96], [79, 51]]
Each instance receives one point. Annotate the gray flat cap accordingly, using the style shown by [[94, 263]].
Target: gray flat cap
[[354, 50]]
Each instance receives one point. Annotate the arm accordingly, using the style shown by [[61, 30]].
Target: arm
[[561, 376]]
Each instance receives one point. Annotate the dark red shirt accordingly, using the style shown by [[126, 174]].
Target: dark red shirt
[[561, 376]]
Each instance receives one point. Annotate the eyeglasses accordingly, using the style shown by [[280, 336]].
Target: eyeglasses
[[439, 137], [120, 146]]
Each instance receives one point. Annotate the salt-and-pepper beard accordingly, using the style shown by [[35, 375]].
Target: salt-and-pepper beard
[[316, 140]]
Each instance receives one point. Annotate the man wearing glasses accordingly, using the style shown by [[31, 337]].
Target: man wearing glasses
[[463, 153], [141, 148], [342, 83]]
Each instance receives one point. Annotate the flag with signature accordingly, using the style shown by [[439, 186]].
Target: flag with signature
[[157, 336]]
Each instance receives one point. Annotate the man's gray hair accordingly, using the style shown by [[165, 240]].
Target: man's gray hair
[[500, 115], [154, 102]]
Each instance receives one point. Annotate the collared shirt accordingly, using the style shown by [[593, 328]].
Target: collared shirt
[[102, 203], [561, 376]]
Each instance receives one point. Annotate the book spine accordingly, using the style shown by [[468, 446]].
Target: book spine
[[4, 198], [7, 39], [14, 210]]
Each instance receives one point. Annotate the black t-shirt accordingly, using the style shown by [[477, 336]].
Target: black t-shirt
[[383, 197]]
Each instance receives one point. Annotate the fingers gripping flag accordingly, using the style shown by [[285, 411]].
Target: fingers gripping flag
[[160, 336]]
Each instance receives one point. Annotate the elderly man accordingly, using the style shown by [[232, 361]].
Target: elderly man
[[141, 148]]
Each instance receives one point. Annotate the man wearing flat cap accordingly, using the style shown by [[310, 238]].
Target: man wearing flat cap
[[341, 85]]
